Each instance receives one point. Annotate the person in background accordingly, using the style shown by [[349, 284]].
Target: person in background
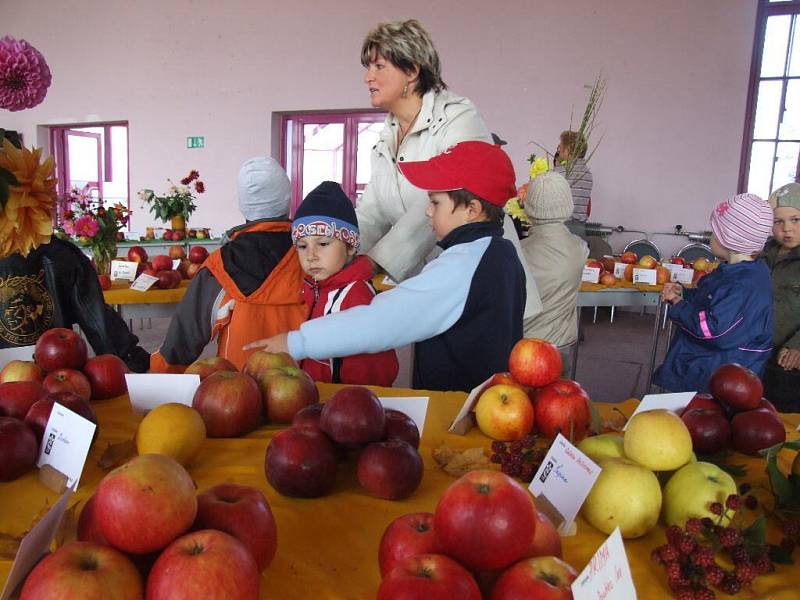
[[570, 161], [48, 282], [403, 77], [782, 256], [464, 311], [249, 288], [556, 258], [325, 232], [727, 318]]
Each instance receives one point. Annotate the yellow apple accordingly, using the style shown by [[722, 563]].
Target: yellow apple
[[625, 495], [504, 412], [701, 264], [600, 447], [658, 440], [648, 262], [21, 370], [692, 489], [172, 429]]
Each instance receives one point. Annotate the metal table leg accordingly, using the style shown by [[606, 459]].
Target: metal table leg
[[654, 348]]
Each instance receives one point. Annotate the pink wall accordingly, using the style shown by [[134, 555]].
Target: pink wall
[[677, 74]]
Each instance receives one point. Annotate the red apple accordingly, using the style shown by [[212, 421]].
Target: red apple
[[145, 504], [177, 252], [563, 407], [161, 263], [88, 526], [183, 268], [261, 360], [18, 447], [703, 400], [60, 348], [21, 370], [485, 520], [768, 405], [105, 282], [678, 260], [229, 403], [390, 470], [168, 280], [106, 373], [545, 577], [628, 258], [137, 254], [192, 270], [285, 391], [662, 275], [84, 570], [243, 512], [399, 426], [698, 275], [594, 264], [504, 412], [709, 429], [198, 254], [534, 362], [204, 564], [627, 275], [353, 416], [206, 366], [309, 415], [408, 535], [609, 264], [755, 430], [167, 235], [17, 397], [546, 541], [736, 387], [504, 377], [68, 380], [428, 577], [301, 462], [178, 235], [39, 413], [608, 279]]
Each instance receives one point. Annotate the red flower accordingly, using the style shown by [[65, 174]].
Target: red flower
[[200, 187]]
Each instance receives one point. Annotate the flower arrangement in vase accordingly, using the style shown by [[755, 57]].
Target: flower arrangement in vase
[[178, 203]]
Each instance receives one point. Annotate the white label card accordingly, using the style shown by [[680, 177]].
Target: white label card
[[590, 274], [463, 421], [143, 282], [20, 353], [65, 443], [675, 402], [176, 262], [565, 478], [123, 269], [148, 390], [416, 407], [644, 276], [619, 269], [684, 276], [388, 281], [608, 574]]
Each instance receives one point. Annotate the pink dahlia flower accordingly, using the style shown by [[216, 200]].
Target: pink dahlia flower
[[86, 226], [24, 75]]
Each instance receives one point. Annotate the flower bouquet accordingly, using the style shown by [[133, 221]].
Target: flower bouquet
[[178, 203]]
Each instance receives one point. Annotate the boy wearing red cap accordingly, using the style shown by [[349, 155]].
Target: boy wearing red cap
[[464, 310]]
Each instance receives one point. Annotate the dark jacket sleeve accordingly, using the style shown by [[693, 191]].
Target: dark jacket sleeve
[[716, 322]]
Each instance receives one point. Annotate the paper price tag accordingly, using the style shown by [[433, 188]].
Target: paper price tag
[[684, 276], [148, 390], [619, 269], [176, 263], [143, 282], [608, 574], [416, 407], [671, 267], [463, 421], [564, 479], [590, 274], [388, 281], [20, 353], [675, 402], [65, 443], [123, 269], [644, 276]]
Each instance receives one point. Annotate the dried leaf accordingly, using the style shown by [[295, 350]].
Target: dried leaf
[[457, 463], [117, 454], [9, 545]]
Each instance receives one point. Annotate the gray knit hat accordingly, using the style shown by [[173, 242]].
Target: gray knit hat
[[788, 195], [549, 198], [264, 189]]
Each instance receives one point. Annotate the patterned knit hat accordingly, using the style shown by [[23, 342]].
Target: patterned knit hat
[[788, 195], [264, 189], [549, 198], [326, 211], [742, 223]]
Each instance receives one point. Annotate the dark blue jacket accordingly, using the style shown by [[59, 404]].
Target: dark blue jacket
[[726, 319]]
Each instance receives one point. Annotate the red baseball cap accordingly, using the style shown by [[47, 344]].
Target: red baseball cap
[[479, 167]]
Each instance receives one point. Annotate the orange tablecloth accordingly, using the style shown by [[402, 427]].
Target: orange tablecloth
[[121, 293], [327, 547]]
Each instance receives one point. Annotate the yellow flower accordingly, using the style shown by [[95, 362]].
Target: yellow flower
[[514, 210], [539, 166], [27, 219]]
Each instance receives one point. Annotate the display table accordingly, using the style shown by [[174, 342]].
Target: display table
[[327, 547], [133, 304]]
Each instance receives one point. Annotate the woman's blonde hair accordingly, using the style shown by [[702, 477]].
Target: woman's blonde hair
[[406, 44]]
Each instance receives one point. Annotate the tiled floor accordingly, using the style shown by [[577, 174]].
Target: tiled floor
[[612, 360]]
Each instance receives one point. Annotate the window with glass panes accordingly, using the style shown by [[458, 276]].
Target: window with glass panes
[[771, 149]]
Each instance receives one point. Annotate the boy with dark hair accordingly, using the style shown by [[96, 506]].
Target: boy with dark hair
[[464, 310]]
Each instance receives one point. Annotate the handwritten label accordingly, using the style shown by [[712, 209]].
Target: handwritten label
[[65, 443], [148, 390], [619, 269], [644, 276], [684, 276], [674, 402], [416, 407], [123, 269], [565, 478], [143, 282], [608, 574], [590, 274]]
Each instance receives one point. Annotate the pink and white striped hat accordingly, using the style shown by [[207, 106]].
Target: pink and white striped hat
[[742, 223]]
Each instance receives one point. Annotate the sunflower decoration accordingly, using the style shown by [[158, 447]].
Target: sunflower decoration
[[26, 220]]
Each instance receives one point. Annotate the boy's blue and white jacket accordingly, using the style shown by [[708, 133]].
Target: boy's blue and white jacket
[[726, 319], [464, 310]]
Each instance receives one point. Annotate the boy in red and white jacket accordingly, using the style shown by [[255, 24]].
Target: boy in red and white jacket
[[325, 233]]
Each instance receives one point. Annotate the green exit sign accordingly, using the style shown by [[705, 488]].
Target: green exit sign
[[196, 142]]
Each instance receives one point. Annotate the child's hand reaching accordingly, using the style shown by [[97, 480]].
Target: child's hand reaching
[[277, 343], [671, 292]]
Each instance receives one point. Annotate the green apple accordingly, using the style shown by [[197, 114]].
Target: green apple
[[625, 495], [658, 440], [600, 447], [692, 489]]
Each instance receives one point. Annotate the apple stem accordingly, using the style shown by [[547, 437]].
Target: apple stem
[[88, 563]]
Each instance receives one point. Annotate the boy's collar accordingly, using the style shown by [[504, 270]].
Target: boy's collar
[[470, 232]]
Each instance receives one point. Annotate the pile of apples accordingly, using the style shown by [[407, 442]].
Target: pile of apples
[[60, 373], [485, 538], [147, 531], [701, 266], [161, 266], [532, 397]]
